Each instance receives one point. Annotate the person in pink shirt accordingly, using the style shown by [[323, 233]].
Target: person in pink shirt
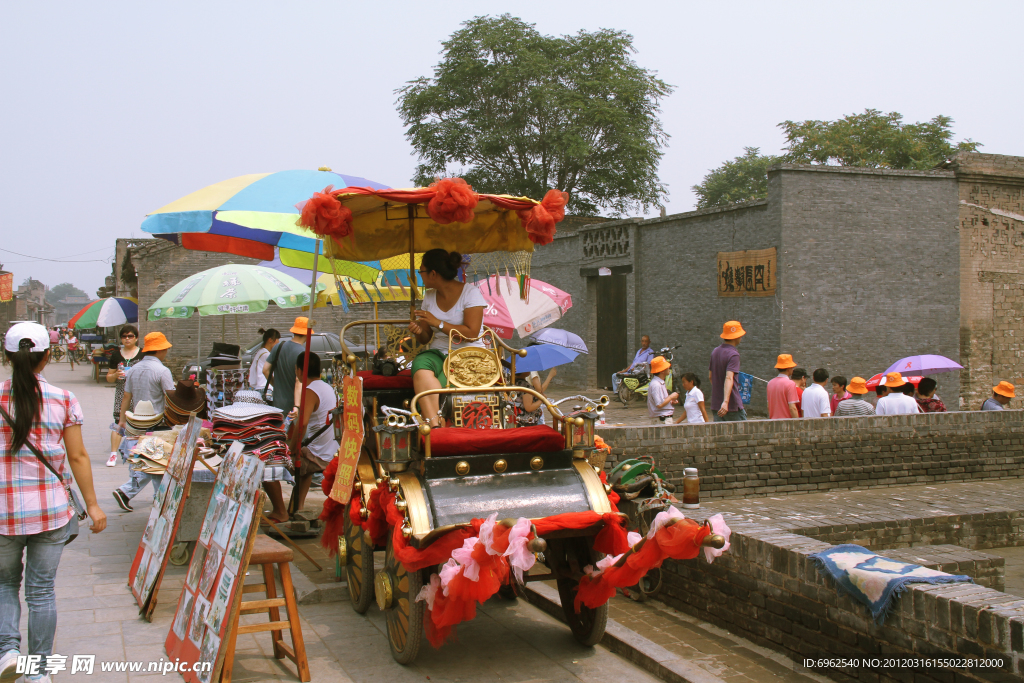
[[783, 396], [839, 392]]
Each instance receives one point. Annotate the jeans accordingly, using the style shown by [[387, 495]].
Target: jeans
[[732, 416], [134, 486], [40, 570]]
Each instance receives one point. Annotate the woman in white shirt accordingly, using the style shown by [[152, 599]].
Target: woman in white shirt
[[449, 306], [256, 378], [693, 403]]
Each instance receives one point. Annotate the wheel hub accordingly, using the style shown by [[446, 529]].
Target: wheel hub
[[383, 584]]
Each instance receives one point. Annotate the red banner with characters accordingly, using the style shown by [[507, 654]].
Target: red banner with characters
[[6, 286], [351, 439]]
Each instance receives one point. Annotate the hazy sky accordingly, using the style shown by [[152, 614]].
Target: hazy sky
[[110, 110]]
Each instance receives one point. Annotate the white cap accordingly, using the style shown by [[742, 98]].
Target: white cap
[[33, 331]]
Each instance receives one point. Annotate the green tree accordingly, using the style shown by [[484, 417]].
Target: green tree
[[513, 111], [875, 140], [742, 179], [871, 139], [55, 294]]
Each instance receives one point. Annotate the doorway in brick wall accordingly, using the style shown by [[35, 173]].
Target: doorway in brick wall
[[611, 327]]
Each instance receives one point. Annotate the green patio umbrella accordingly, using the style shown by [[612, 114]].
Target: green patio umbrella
[[231, 288]]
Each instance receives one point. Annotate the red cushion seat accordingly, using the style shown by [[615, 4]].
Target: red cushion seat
[[466, 441], [403, 380]]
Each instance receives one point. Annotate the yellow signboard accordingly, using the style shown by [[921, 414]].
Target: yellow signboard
[[747, 273]]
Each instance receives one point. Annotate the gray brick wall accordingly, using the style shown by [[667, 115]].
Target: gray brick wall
[[763, 458], [868, 268]]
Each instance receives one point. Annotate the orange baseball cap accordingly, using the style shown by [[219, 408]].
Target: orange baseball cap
[[732, 330], [857, 385], [1004, 388], [659, 364], [301, 326], [155, 341], [894, 379], [785, 362]]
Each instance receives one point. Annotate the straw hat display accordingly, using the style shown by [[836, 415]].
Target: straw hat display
[[142, 419]]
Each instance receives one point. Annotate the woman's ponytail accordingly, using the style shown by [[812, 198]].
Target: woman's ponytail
[[26, 393]]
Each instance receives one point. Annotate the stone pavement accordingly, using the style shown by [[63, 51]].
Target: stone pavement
[[97, 613]]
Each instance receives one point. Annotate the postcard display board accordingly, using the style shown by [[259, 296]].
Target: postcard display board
[[150, 561], [212, 593]]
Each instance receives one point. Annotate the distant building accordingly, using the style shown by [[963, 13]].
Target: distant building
[[68, 307], [32, 304]]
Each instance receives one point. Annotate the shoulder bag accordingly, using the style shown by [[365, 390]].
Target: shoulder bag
[[73, 500]]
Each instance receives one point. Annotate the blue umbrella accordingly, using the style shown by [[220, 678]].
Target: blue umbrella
[[544, 356], [552, 335]]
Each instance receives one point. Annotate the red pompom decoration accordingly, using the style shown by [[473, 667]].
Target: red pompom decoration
[[453, 201], [326, 216], [540, 220]]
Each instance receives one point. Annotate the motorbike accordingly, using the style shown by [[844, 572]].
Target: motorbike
[[633, 384]]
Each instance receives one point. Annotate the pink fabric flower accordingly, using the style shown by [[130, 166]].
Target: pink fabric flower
[[718, 526], [670, 513], [519, 557], [449, 571], [487, 534], [464, 556], [429, 592]]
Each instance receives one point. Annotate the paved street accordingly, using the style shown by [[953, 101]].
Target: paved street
[[97, 614]]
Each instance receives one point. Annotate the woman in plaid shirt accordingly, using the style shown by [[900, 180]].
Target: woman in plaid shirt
[[34, 507]]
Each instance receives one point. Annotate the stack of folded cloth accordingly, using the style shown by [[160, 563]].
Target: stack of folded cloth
[[143, 419], [260, 428]]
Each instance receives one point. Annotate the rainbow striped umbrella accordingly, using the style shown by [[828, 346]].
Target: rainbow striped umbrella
[[109, 312], [251, 215]]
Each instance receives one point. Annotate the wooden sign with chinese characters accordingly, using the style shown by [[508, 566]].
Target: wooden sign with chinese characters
[[351, 439], [747, 273], [6, 286]]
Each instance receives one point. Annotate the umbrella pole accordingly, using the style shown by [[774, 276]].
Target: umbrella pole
[[412, 262], [199, 338], [300, 430], [376, 330]]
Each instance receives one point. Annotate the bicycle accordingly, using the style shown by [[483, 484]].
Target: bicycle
[[634, 384]]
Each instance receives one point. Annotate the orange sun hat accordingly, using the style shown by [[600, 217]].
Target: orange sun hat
[[894, 380], [1004, 388], [155, 341], [732, 330], [857, 385], [785, 362], [301, 326], [659, 364]]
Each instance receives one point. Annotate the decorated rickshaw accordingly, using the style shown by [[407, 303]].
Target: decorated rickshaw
[[482, 504]]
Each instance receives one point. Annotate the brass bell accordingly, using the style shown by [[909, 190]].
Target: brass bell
[[393, 483], [406, 531], [401, 505]]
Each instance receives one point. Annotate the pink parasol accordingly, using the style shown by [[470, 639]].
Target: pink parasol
[[506, 312]]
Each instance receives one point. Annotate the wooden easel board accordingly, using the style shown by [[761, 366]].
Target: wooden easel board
[[211, 595], [150, 561]]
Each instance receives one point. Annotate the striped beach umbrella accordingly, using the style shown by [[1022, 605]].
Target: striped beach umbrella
[[109, 312]]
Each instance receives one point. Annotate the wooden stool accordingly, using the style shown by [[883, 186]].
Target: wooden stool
[[268, 552]]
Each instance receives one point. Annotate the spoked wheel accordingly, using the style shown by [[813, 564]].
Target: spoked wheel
[[570, 556], [357, 564], [56, 353], [396, 590]]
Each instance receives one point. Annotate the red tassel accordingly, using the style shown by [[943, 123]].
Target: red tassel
[[326, 216], [453, 201], [539, 221]]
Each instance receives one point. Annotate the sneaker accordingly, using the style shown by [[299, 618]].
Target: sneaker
[[9, 666], [122, 500], [112, 460]]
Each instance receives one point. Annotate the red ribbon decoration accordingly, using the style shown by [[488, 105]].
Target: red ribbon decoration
[[326, 216], [453, 201]]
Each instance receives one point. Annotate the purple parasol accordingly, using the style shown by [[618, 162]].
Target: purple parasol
[[924, 365]]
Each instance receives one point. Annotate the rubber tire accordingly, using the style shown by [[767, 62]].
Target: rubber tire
[[589, 625], [181, 553], [625, 394], [405, 617], [360, 582]]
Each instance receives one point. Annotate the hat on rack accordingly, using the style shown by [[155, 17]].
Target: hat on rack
[[182, 402], [143, 418], [249, 396]]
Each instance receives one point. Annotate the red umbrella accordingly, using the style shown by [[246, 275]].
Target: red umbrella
[[880, 379]]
